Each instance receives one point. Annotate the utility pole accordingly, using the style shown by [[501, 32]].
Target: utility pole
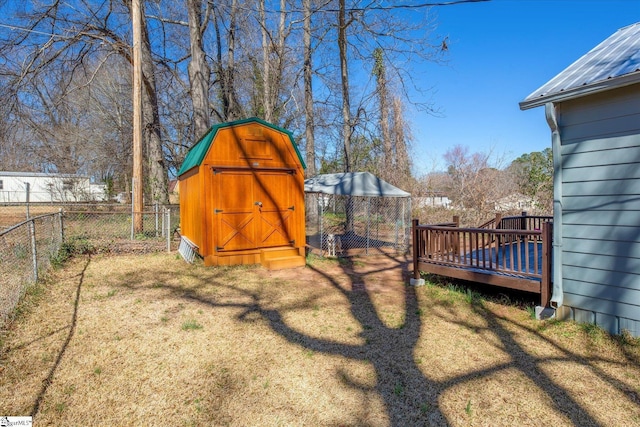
[[137, 193]]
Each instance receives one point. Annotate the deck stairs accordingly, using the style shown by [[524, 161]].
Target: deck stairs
[[281, 257]]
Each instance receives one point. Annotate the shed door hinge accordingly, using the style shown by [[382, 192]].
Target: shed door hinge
[[219, 248], [217, 211], [293, 242]]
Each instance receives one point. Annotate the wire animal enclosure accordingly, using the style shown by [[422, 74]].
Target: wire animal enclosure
[[341, 226]]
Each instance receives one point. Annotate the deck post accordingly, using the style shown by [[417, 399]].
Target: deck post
[[416, 280], [498, 220], [523, 221], [456, 220]]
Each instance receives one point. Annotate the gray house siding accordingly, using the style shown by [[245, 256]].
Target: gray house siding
[[600, 160]]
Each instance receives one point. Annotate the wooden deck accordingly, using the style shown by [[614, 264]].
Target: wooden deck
[[511, 252]]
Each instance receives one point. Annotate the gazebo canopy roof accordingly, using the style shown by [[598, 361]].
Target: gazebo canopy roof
[[363, 184]]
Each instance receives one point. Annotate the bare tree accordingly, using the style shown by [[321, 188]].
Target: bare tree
[[62, 39], [477, 183], [308, 91], [157, 171], [382, 90], [198, 67], [400, 143], [347, 128], [225, 72]]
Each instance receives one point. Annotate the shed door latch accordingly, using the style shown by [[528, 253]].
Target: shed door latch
[[292, 208]]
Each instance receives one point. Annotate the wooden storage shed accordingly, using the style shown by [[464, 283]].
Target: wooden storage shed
[[593, 110], [242, 196]]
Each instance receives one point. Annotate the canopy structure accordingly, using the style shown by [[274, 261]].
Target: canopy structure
[[360, 184]]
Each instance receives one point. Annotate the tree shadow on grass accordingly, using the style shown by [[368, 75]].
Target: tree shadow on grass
[[74, 320], [411, 394], [409, 398]]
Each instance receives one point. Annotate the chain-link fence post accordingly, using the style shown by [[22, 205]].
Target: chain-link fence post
[[28, 188], [168, 222], [133, 215], [61, 220], [156, 211], [34, 251], [163, 226], [321, 223], [368, 224]]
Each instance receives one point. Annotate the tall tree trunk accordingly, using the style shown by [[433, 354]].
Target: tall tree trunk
[[379, 71], [198, 70], [346, 109], [233, 113], [402, 162], [267, 108], [157, 174], [308, 91], [344, 78], [225, 74], [312, 208], [277, 81], [273, 62]]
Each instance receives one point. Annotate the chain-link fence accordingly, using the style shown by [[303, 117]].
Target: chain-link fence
[[110, 227], [27, 247], [351, 225], [26, 250]]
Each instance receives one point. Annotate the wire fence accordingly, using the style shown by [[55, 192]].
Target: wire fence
[[340, 226], [26, 249], [29, 246], [31, 236]]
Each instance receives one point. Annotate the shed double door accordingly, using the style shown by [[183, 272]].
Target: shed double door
[[253, 209]]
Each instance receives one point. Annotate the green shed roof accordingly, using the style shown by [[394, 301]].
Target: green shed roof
[[196, 154]]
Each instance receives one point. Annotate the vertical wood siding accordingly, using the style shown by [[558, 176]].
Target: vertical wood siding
[[191, 206], [246, 195], [601, 208]]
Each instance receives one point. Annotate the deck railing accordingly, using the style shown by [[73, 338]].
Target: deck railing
[[513, 251]]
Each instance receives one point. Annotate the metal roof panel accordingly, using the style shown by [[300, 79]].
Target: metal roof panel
[[617, 56]]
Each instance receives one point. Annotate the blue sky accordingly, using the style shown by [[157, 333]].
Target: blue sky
[[499, 52]]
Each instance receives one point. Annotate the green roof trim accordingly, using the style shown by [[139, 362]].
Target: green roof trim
[[197, 152]]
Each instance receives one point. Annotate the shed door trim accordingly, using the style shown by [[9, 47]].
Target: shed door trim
[[221, 169], [253, 209]]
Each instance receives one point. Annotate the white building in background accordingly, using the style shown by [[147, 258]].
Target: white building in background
[[49, 188], [431, 201]]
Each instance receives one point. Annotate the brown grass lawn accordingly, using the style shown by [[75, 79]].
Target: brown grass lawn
[[151, 340]]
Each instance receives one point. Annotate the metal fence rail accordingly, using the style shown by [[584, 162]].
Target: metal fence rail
[[26, 250]]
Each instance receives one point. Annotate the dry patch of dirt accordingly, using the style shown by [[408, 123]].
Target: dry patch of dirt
[[151, 340]]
